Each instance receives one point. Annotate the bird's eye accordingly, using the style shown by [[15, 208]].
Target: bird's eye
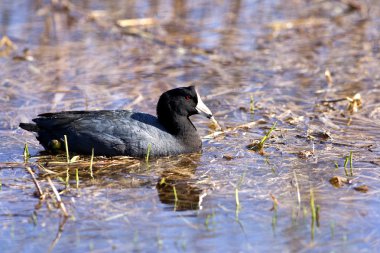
[[187, 97]]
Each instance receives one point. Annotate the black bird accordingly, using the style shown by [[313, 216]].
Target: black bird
[[127, 133]]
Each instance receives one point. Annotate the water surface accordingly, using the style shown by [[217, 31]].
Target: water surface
[[272, 54]]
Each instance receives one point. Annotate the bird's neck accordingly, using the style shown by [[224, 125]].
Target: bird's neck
[[178, 125], [183, 129]]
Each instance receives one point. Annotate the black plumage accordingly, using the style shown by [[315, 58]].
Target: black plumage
[[121, 132]]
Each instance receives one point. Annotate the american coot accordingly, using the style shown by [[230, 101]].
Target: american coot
[[120, 132]]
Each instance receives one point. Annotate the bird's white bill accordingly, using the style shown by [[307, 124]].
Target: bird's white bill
[[202, 108]]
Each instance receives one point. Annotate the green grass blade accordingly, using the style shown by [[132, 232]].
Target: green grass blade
[[77, 177], [148, 153], [175, 198], [345, 165], [313, 213], [175, 194], [351, 165], [237, 201], [267, 135], [26, 153], [67, 149]]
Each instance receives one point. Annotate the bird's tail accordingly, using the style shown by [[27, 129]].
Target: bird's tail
[[29, 127]]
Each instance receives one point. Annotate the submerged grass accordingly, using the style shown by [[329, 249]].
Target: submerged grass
[[209, 220], [252, 105], [345, 165], [332, 229], [275, 212], [33, 217], [312, 206], [314, 213]]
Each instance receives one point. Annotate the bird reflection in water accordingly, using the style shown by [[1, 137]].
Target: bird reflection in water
[[179, 187], [174, 177]]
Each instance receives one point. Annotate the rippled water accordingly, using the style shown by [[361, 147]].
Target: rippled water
[[269, 54]]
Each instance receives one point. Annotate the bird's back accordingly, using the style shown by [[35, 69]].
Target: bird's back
[[110, 133]]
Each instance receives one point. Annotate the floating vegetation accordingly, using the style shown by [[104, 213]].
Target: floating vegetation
[[6, 46], [305, 154], [361, 188], [214, 125], [136, 22], [6, 43], [228, 157], [222, 132], [74, 159], [278, 26], [354, 103], [320, 134], [338, 181]]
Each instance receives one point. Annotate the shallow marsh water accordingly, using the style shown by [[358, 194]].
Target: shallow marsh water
[[275, 52]]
